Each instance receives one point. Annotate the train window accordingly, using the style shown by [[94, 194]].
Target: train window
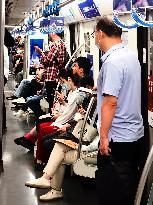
[[87, 41]]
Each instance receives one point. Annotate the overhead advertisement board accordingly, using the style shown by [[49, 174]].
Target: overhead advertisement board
[[122, 5], [142, 3], [89, 9]]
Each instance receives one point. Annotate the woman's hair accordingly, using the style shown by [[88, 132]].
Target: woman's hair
[[75, 78], [87, 81], [63, 74]]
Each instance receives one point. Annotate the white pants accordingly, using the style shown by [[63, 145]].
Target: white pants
[[54, 168]]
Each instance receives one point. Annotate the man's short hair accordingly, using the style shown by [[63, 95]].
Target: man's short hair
[[107, 25], [84, 63]]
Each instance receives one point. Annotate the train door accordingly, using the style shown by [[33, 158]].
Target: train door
[[2, 26], [145, 55]]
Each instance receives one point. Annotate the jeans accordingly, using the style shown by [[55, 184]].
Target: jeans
[[34, 104], [20, 92]]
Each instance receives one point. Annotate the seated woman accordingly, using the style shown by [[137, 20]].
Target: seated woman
[[75, 98], [29, 139], [53, 173]]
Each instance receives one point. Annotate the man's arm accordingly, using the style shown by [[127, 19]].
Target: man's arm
[[108, 109]]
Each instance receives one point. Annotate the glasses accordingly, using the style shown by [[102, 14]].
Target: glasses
[[93, 34]]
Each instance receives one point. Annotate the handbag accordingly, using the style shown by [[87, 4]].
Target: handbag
[[89, 131]]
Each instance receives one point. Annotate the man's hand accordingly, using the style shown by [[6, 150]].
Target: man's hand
[[104, 146]]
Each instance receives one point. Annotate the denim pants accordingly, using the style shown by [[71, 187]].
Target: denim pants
[[34, 104], [20, 92]]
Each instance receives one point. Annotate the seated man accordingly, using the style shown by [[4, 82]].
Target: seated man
[[29, 88], [81, 67]]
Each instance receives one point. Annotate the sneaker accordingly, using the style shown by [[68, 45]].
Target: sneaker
[[19, 101], [13, 97], [39, 183], [19, 113], [24, 143], [51, 195]]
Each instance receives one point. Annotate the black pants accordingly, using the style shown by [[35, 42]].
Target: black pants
[[118, 175], [50, 90]]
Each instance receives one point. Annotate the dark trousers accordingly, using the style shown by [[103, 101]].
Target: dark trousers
[[118, 175], [50, 90], [34, 104]]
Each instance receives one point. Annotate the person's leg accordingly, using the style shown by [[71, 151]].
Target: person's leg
[[20, 90], [56, 158], [40, 152], [32, 135], [35, 86], [117, 175], [53, 168], [56, 185], [29, 139], [50, 89], [34, 104]]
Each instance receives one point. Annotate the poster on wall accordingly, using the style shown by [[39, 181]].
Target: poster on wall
[[122, 5], [142, 3], [150, 100], [34, 56], [89, 9]]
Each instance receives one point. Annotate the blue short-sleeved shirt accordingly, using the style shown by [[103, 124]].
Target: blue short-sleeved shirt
[[120, 76]]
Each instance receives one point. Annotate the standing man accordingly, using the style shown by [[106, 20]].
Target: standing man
[[53, 61], [120, 122]]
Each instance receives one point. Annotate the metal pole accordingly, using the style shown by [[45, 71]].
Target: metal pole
[[2, 27]]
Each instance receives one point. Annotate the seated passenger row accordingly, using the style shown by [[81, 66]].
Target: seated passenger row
[[53, 132]]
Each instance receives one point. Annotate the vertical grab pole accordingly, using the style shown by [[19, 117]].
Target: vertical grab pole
[[2, 29]]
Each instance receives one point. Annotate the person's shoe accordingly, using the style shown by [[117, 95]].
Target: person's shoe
[[19, 101], [19, 113], [51, 195], [13, 97], [39, 183], [24, 143]]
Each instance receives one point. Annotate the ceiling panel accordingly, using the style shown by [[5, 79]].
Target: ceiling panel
[[17, 11]]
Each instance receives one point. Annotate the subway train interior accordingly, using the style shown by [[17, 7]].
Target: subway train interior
[[28, 29]]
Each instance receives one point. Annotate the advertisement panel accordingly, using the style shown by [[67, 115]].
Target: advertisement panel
[[34, 56], [142, 3], [89, 9], [122, 5]]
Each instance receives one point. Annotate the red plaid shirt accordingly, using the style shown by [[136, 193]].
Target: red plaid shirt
[[54, 61]]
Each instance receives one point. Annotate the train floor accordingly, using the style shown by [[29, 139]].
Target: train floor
[[19, 167]]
